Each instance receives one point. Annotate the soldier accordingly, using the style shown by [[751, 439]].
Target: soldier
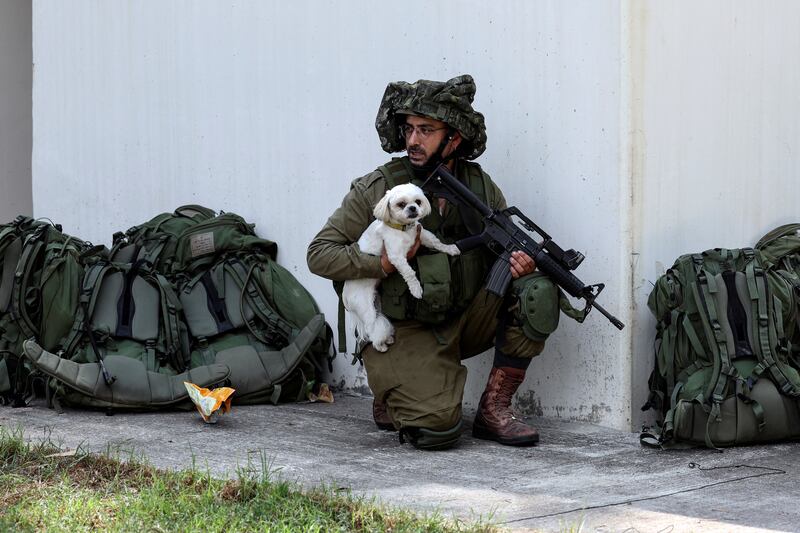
[[418, 383]]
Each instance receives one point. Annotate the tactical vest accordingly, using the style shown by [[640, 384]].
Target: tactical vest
[[449, 282]]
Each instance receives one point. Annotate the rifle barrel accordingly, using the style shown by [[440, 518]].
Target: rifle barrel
[[611, 318]]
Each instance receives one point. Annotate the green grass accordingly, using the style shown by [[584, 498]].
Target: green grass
[[40, 491]]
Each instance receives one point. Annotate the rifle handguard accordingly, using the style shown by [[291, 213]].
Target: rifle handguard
[[468, 243]]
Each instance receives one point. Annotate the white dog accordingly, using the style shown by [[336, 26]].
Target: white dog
[[397, 217]]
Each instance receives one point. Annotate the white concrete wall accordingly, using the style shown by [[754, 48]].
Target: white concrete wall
[[633, 131], [715, 136], [267, 109], [15, 109]]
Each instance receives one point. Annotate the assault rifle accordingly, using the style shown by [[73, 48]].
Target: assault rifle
[[502, 236]]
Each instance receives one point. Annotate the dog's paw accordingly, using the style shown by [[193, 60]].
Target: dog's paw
[[380, 346], [415, 290], [452, 249], [390, 340]]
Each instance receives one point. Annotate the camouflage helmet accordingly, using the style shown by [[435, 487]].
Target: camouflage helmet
[[449, 101]]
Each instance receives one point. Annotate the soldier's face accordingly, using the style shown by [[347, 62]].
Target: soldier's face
[[424, 137]]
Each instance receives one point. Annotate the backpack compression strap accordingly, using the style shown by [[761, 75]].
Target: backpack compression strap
[[177, 354], [279, 331], [723, 369], [91, 281]]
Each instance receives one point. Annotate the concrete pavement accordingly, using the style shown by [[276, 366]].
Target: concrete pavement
[[580, 477]]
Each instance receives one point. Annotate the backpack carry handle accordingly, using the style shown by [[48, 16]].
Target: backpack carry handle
[[192, 210]]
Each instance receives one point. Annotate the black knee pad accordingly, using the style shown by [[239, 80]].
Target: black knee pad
[[428, 439]]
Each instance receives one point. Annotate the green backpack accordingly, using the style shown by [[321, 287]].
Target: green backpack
[[724, 372], [248, 312], [114, 331], [42, 268], [780, 248], [126, 346], [12, 236]]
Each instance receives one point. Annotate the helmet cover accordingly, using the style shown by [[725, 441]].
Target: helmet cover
[[449, 102]]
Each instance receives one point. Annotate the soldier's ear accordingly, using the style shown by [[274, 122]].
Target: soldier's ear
[[381, 211], [455, 139]]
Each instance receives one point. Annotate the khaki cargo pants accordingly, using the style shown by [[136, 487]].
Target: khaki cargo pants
[[421, 378]]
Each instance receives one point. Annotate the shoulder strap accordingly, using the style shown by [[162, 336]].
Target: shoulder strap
[[11, 256], [478, 180], [32, 247], [177, 353], [92, 280], [395, 172], [766, 318]]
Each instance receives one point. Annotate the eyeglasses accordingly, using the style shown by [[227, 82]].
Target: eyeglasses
[[423, 131]]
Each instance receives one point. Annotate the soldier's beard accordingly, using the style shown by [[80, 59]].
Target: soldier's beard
[[426, 165], [416, 152]]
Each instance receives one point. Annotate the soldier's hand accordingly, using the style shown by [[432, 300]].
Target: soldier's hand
[[521, 264], [387, 265]]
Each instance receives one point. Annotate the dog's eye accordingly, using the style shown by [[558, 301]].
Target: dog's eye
[[419, 202], [401, 205]]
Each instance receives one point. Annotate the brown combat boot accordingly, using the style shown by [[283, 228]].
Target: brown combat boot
[[495, 420], [381, 416]]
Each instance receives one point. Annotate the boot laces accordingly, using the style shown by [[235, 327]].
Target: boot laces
[[502, 400]]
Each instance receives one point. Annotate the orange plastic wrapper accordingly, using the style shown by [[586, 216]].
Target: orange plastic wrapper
[[210, 403], [324, 394]]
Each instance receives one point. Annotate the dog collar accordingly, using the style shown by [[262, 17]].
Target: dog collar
[[401, 227]]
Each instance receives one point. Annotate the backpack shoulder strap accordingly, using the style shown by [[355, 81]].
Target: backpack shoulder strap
[[177, 353], [92, 280], [33, 245], [11, 256], [766, 316]]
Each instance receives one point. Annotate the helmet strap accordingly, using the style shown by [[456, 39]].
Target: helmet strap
[[436, 158]]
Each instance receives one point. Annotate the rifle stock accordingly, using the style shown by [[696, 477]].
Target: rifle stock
[[502, 235]]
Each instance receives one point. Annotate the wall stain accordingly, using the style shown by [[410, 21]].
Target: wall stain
[[528, 404]]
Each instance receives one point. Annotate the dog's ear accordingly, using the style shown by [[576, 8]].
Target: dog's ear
[[381, 211], [425, 207]]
